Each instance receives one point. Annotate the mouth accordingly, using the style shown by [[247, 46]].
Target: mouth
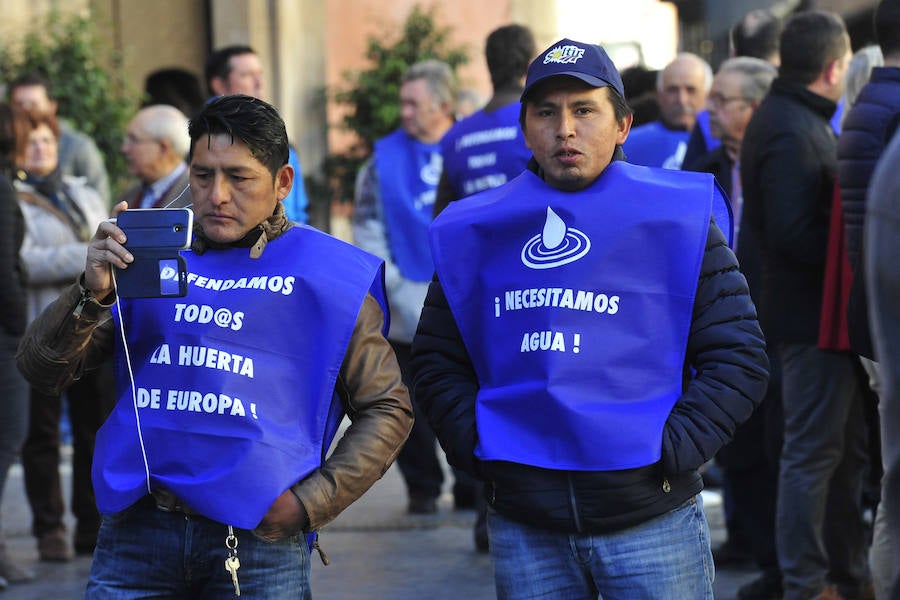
[[567, 155]]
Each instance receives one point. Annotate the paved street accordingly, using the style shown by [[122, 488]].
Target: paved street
[[377, 552]]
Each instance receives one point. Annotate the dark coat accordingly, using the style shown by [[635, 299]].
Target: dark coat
[[725, 344], [867, 129], [788, 165]]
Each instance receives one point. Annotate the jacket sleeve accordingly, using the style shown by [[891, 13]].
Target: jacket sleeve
[[445, 384], [378, 405], [68, 338], [405, 296], [726, 353]]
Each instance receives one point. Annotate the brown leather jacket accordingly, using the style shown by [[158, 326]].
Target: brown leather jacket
[[72, 336]]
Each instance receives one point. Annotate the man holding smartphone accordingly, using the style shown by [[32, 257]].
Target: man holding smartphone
[[216, 447]]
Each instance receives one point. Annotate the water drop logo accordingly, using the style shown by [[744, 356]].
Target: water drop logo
[[555, 246]]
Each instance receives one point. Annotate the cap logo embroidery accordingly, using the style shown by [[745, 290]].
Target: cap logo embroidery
[[564, 55]]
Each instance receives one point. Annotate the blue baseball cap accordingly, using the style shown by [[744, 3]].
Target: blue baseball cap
[[587, 62]]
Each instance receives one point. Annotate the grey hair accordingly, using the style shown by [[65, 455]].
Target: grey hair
[[757, 75], [170, 124], [858, 72], [707, 70], [438, 77]]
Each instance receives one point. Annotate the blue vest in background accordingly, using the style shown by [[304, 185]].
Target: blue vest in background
[[235, 381], [703, 123], [575, 309], [408, 174], [296, 203], [484, 150], [653, 145]]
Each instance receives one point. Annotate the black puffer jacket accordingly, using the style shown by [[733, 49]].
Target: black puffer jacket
[[866, 130], [727, 351]]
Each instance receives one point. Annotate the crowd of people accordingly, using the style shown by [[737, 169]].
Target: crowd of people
[[711, 285]]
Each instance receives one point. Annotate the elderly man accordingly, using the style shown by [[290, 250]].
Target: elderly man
[[681, 90], [155, 146], [554, 346], [749, 462], [395, 195]]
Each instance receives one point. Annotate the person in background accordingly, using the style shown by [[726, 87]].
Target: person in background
[[60, 213], [217, 498], [14, 127], [488, 149], [869, 124], [580, 362], [175, 87], [748, 463], [155, 146], [78, 154], [238, 70], [681, 89], [882, 244], [788, 167], [395, 197], [755, 35]]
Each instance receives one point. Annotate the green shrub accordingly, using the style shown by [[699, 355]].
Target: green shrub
[[87, 82]]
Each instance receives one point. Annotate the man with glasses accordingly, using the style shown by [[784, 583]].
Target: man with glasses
[[156, 142], [747, 465]]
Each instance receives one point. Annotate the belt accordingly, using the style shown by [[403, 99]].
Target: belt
[[166, 501]]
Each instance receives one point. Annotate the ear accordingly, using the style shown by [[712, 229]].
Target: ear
[[217, 84], [284, 181], [623, 129], [833, 72]]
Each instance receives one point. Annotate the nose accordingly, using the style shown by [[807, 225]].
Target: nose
[[220, 190], [565, 126]]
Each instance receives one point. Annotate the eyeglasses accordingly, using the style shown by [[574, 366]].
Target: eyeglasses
[[718, 100], [133, 139]]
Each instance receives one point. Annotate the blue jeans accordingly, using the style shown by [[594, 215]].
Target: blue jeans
[[143, 552], [667, 557]]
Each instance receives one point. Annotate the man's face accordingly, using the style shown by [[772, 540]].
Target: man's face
[[683, 93], [233, 192], [572, 130], [423, 116], [42, 152], [245, 77], [729, 111], [143, 154], [33, 99]]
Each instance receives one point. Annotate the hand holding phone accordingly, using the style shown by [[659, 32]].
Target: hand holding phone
[[154, 236]]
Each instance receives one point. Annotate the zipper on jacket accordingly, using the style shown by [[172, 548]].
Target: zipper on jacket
[[573, 503], [666, 486]]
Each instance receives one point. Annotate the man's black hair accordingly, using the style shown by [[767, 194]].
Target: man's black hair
[[887, 27], [218, 64], [250, 120], [756, 35], [811, 40], [33, 78], [509, 50]]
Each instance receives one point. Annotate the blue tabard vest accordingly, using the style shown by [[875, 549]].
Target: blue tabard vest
[[235, 381], [653, 145], [485, 150], [408, 174], [575, 309]]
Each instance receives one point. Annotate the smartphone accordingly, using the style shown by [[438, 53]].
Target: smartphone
[[155, 238]]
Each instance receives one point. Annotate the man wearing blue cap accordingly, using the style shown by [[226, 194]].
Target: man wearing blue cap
[[588, 343]]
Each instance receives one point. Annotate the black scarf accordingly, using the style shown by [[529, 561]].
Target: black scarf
[[53, 188]]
